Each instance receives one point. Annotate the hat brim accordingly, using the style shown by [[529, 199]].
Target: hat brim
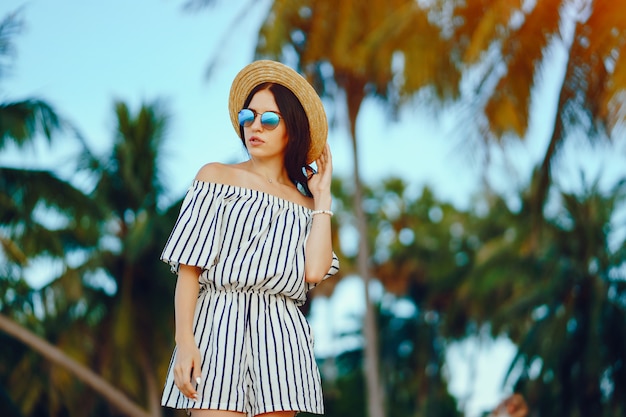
[[266, 71]]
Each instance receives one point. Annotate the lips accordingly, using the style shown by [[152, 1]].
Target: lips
[[255, 140]]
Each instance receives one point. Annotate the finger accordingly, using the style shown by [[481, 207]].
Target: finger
[[328, 158], [320, 167], [179, 372], [321, 162], [179, 380], [188, 390], [327, 154], [197, 372], [326, 150], [321, 158], [194, 379], [182, 379]]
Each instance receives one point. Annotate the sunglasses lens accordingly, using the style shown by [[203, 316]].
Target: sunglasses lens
[[270, 120], [246, 117]]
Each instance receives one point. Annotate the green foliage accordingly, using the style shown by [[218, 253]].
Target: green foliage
[[557, 291], [112, 235], [411, 349], [20, 121], [559, 295], [572, 311]]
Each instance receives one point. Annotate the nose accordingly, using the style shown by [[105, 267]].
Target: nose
[[256, 122]]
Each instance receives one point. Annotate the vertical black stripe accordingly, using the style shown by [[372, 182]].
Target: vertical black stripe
[[255, 343]]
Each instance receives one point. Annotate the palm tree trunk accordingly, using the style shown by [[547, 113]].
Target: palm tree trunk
[[152, 387], [542, 183], [375, 401], [545, 170], [115, 397]]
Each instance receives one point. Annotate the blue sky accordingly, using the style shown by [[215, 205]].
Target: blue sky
[[82, 55]]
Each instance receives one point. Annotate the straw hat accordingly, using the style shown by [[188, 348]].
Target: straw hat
[[265, 71]]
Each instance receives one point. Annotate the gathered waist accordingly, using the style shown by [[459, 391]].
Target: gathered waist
[[212, 288], [287, 287]]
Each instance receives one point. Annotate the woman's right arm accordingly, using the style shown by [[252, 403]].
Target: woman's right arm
[[187, 367]]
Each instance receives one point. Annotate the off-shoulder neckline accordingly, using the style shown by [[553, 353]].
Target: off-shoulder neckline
[[247, 190]]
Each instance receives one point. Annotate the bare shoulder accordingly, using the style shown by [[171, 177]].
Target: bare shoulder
[[214, 172], [238, 175]]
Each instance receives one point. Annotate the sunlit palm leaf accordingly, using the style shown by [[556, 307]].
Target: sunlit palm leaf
[[523, 53], [506, 46]]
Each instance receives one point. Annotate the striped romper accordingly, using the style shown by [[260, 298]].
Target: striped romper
[[256, 346]]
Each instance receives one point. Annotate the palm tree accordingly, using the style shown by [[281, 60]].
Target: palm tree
[[123, 333], [56, 356], [362, 49], [351, 51], [421, 255], [583, 310], [392, 49], [506, 46], [28, 199], [23, 192], [134, 340], [561, 302]]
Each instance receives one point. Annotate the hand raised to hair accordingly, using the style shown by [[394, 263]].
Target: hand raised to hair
[[319, 183]]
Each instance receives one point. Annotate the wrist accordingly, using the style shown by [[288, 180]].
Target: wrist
[[322, 203], [183, 339], [327, 212]]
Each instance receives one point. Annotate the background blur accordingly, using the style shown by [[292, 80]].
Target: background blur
[[478, 151]]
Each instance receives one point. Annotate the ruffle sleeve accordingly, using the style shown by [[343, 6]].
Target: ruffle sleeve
[[195, 238], [334, 268]]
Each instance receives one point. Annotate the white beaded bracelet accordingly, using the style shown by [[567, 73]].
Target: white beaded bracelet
[[314, 212]]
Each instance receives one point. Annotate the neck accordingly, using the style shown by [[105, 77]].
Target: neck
[[271, 171]]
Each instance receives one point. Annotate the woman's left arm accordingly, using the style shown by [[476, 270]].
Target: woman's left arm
[[319, 248]]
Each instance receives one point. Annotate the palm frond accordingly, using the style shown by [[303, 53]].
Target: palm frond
[[21, 121], [30, 201], [607, 25], [25, 190], [10, 26], [523, 52], [481, 23]]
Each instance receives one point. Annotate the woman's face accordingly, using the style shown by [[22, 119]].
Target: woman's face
[[260, 141]]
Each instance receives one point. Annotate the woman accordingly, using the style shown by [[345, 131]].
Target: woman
[[251, 239]]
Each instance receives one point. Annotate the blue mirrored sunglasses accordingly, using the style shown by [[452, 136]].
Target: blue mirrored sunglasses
[[269, 119]]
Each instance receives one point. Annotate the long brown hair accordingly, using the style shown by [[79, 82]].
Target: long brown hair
[[298, 132]]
